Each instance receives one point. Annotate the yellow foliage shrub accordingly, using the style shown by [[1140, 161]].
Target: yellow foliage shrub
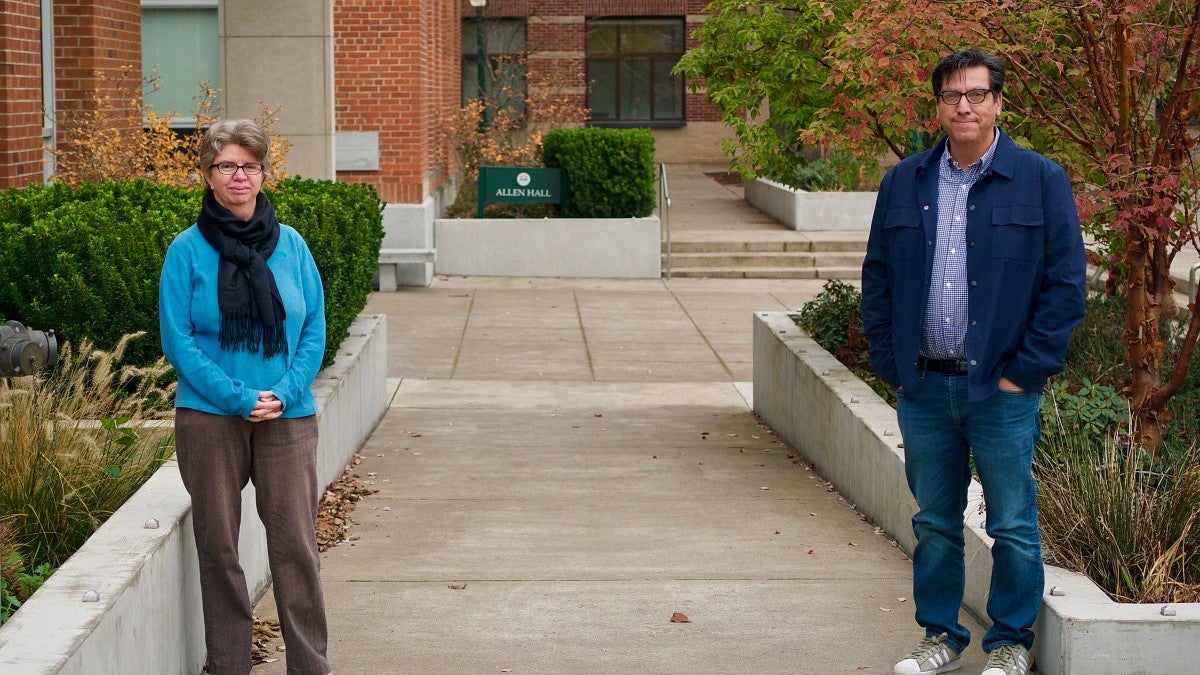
[[103, 143]]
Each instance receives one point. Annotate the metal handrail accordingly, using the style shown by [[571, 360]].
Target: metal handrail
[[664, 211]]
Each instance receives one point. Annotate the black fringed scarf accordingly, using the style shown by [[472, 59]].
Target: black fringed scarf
[[251, 310]]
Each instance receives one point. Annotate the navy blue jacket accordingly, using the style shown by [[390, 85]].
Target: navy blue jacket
[[1025, 269]]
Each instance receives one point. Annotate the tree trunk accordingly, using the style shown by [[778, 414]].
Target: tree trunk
[[1144, 347]]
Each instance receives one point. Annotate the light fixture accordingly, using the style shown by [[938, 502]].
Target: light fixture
[[478, 4]]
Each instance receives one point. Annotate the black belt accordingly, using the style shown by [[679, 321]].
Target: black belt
[[943, 366]]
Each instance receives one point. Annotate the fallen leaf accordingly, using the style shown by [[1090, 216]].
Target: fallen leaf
[[810, 551], [680, 617], [457, 587], [884, 609], [339, 500]]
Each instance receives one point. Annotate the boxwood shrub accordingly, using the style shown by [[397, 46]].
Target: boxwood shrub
[[608, 173], [85, 261]]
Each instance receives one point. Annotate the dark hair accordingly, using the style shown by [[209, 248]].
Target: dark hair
[[969, 58]]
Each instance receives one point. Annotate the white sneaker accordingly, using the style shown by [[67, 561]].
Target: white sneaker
[[931, 656], [1008, 660]]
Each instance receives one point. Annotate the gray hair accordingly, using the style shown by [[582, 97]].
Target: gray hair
[[244, 132]]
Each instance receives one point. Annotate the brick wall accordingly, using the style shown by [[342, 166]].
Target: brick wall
[[96, 44], [555, 34], [98, 54], [396, 68], [21, 97]]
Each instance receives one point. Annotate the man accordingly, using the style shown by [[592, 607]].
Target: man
[[973, 281]]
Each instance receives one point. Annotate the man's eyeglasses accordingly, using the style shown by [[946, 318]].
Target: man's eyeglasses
[[249, 168], [974, 96]]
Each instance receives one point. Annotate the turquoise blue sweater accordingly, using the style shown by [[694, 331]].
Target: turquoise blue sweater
[[222, 382]]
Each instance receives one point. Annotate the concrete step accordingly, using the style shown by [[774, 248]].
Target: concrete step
[[694, 246], [765, 255], [764, 260], [797, 246], [766, 272], [742, 259], [744, 273]]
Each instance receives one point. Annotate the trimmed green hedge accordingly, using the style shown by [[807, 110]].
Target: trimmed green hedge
[[343, 225], [609, 173], [85, 261]]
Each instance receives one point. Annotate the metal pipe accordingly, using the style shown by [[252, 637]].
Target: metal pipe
[[664, 210]]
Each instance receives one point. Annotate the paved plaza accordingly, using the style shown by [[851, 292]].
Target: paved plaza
[[568, 463]]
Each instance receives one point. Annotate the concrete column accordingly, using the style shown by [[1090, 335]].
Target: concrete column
[[281, 52]]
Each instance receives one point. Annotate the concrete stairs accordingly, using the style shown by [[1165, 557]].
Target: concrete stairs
[[765, 255]]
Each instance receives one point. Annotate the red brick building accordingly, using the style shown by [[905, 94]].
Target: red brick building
[[89, 40], [365, 85]]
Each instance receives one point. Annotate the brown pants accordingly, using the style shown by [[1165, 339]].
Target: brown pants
[[217, 455]]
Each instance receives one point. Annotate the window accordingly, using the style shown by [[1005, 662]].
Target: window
[[504, 70], [629, 64], [180, 49]]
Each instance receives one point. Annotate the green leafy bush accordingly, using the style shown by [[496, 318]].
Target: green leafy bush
[[84, 261], [829, 171], [343, 225], [608, 173], [23, 584], [1093, 410], [834, 319], [1097, 368]]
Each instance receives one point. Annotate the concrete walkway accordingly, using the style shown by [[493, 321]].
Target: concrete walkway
[[567, 463]]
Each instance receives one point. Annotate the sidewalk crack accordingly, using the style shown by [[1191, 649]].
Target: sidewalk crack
[[586, 349], [462, 337]]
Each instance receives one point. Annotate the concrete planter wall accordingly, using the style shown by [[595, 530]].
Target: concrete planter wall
[[620, 248], [803, 210], [129, 600], [850, 435]]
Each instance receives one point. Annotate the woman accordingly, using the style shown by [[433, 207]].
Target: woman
[[242, 315]]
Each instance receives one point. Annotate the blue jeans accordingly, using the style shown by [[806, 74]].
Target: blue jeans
[[941, 430]]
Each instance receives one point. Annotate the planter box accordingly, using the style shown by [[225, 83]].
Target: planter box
[[803, 210], [850, 435], [141, 564], [615, 248]]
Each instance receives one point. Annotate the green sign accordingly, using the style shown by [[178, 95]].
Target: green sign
[[519, 184]]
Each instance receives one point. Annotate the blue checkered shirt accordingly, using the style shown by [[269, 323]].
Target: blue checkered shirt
[[944, 335]]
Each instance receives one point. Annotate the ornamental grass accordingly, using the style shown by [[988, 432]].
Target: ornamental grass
[[76, 441], [1127, 523]]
